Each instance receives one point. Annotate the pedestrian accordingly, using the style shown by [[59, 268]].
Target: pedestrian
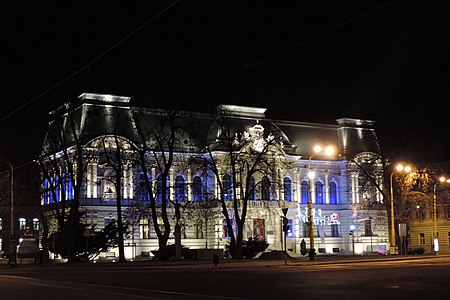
[[215, 260]]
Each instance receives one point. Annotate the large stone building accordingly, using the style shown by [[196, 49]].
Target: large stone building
[[348, 212]]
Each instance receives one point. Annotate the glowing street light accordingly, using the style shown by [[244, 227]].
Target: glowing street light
[[398, 168], [435, 233], [328, 151]]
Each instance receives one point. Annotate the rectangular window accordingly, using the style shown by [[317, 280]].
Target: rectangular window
[[334, 230], [290, 231], [335, 250], [198, 230], [305, 230], [448, 237], [35, 224], [368, 227], [259, 229], [423, 214], [22, 224], [144, 229], [225, 228], [422, 239], [1, 224]]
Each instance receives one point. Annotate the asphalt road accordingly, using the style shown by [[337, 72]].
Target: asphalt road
[[405, 278]]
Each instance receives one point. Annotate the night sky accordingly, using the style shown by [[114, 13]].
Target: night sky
[[388, 61]]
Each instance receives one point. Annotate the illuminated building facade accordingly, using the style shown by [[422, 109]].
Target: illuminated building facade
[[347, 211]]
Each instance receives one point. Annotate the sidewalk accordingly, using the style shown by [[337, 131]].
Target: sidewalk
[[227, 263]]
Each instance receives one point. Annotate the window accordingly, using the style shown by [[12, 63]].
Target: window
[[227, 187], [305, 230], [422, 239], [159, 188], [287, 189], [67, 186], [142, 187], [448, 234], [251, 188], [22, 224], [197, 192], [259, 229], [334, 230], [290, 231], [198, 230], [319, 192], [180, 188], [265, 188], [304, 187], [144, 230], [422, 214], [225, 228], [35, 224], [333, 192], [1, 224], [368, 227]]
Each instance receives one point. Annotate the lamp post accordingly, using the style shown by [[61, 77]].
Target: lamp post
[[329, 151], [435, 233], [12, 243], [352, 233], [398, 168]]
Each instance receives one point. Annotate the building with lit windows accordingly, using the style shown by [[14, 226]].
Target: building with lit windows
[[348, 213]]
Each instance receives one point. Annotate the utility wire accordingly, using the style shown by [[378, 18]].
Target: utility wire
[[248, 67], [91, 62]]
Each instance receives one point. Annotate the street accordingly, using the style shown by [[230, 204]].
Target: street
[[399, 279]]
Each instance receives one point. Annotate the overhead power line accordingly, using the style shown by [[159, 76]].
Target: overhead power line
[[248, 67], [89, 63]]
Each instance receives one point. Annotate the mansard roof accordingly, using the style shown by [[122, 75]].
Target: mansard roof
[[94, 115]]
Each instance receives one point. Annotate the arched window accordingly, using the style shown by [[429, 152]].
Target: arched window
[[251, 188], [142, 187], [46, 193], [197, 192], [287, 184], [319, 192], [227, 187], [58, 189], [333, 192], [265, 188], [159, 188], [304, 187], [180, 188], [64, 191]]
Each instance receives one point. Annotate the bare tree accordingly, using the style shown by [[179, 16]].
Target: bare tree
[[242, 163], [159, 143], [63, 164]]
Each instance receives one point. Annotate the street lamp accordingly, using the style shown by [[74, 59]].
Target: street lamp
[[328, 151], [12, 243], [352, 233], [398, 168], [435, 233]]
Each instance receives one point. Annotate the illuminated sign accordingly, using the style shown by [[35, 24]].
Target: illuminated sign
[[318, 218]]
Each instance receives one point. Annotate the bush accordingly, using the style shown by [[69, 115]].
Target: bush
[[416, 251], [169, 252], [251, 247]]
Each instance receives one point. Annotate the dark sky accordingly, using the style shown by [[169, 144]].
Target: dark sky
[[317, 61]]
